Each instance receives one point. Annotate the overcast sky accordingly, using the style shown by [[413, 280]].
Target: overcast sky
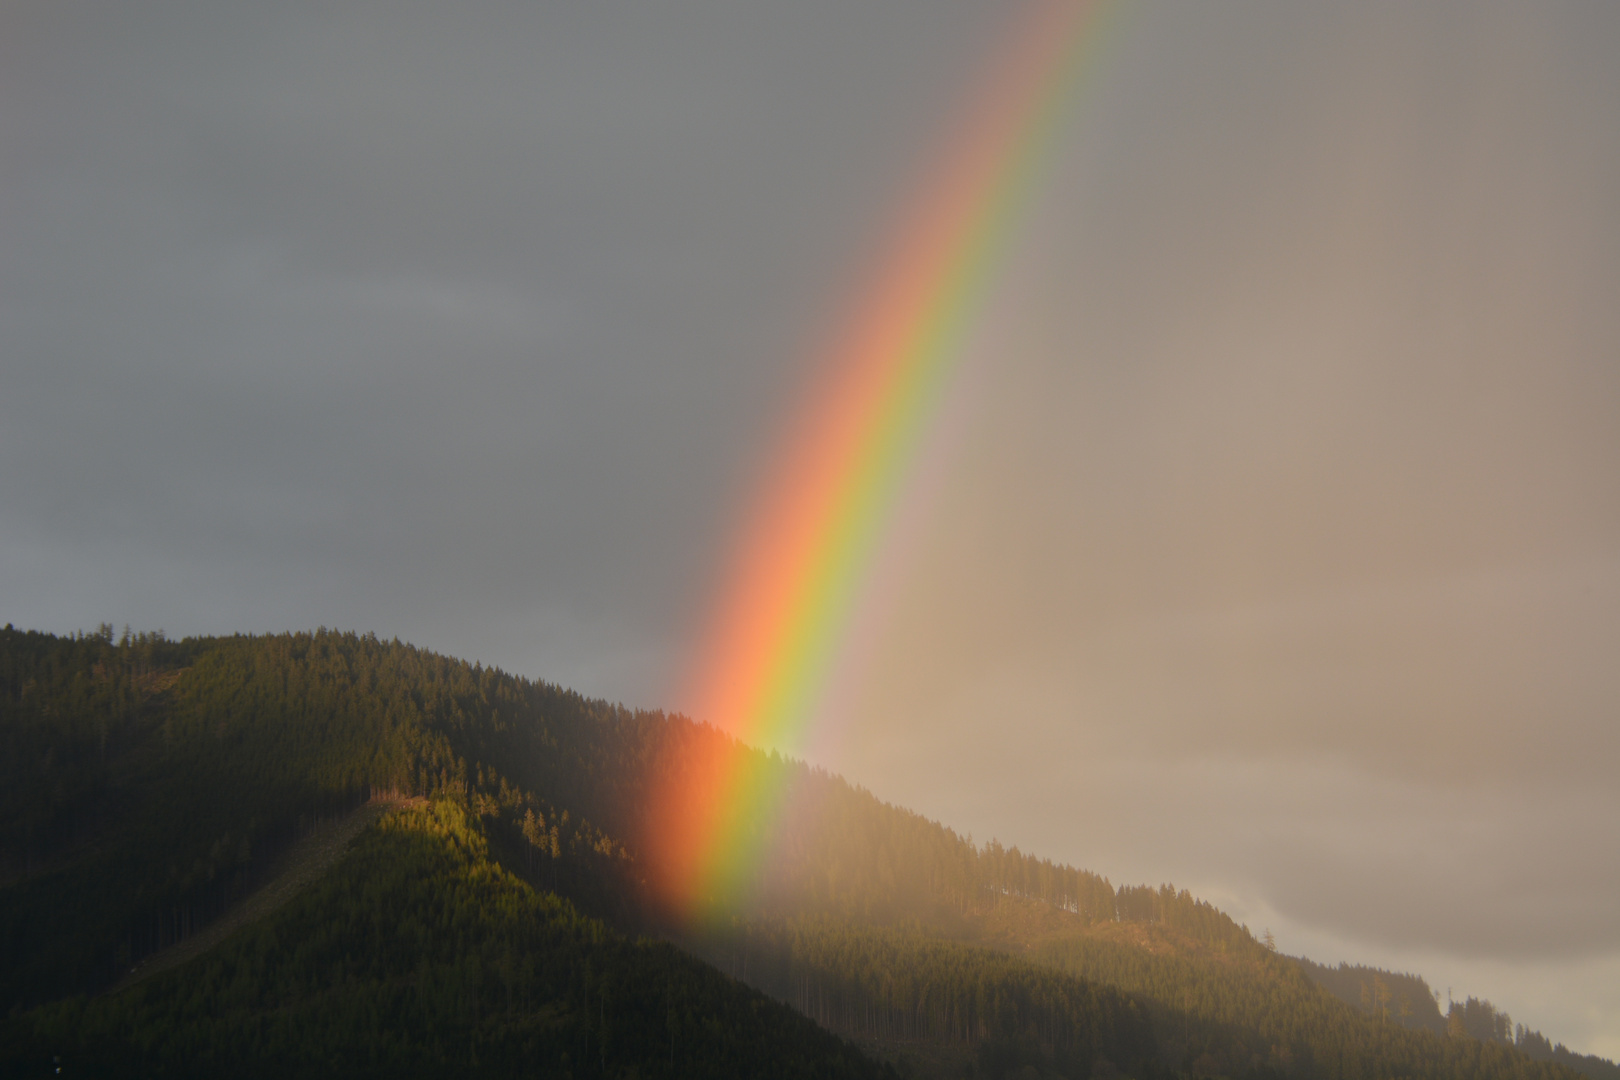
[[1272, 546]]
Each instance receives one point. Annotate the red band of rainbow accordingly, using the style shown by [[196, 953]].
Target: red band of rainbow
[[804, 556]]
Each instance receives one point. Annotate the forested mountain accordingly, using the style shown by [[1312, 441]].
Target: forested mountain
[[147, 785], [1536, 1045], [1403, 998], [1407, 999]]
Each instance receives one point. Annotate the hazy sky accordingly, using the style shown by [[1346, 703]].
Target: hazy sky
[[1273, 544]]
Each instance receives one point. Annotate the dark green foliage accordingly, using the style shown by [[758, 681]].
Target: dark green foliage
[[902, 984], [1536, 1045], [147, 785], [1476, 1019], [418, 956], [1405, 999], [74, 715], [1247, 1010], [1473, 1018]]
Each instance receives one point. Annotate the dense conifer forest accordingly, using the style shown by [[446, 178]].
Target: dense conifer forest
[[502, 924], [1407, 999], [1403, 998], [419, 956]]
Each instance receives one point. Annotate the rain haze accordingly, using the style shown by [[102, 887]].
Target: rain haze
[[1270, 542]]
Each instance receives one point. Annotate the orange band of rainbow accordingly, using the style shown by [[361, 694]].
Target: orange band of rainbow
[[805, 553]]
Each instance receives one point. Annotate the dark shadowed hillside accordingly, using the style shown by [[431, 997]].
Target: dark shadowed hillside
[[150, 786], [418, 956]]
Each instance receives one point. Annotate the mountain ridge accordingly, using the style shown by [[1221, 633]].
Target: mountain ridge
[[211, 751]]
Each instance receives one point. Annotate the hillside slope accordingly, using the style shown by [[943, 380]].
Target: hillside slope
[[147, 786], [417, 956], [306, 862]]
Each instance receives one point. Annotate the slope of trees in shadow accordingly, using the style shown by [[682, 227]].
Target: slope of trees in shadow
[[148, 784], [419, 956]]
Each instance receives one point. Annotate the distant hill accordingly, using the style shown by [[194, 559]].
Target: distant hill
[[1403, 999], [148, 786], [1407, 1000], [1536, 1045]]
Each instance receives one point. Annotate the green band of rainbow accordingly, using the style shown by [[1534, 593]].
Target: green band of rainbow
[[804, 558]]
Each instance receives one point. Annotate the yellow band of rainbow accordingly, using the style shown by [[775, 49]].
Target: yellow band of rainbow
[[804, 556]]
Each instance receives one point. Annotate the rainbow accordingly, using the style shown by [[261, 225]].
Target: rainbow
[[806, 553]]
